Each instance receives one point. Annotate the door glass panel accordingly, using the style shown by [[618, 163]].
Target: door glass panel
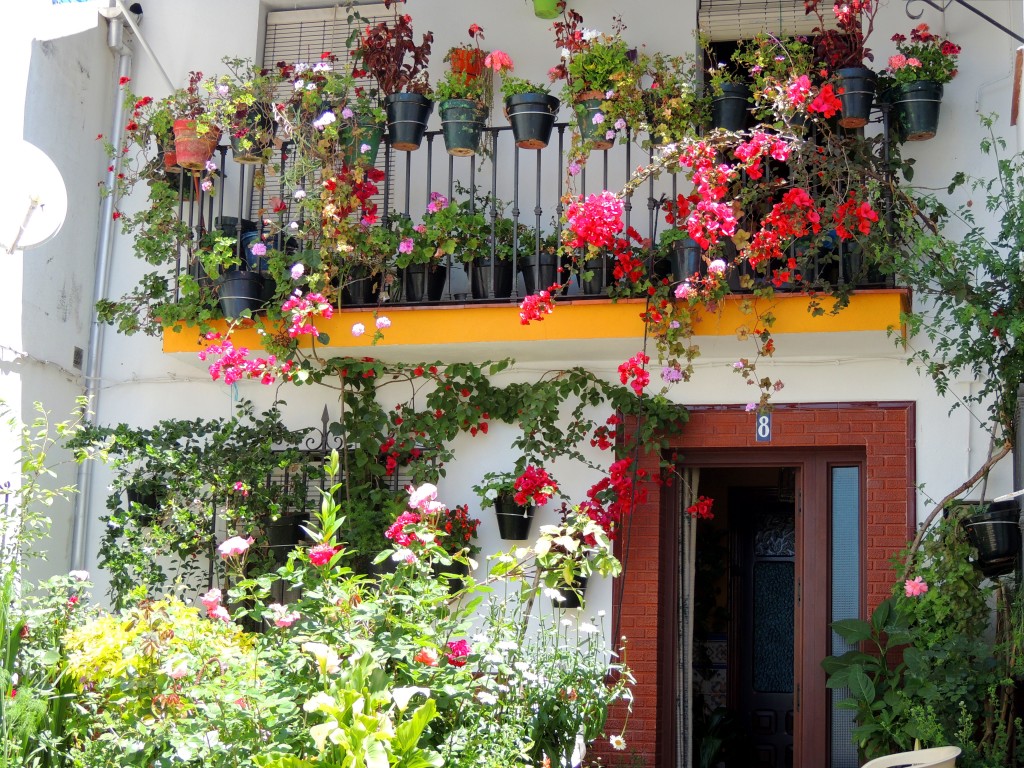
[[773, 627], [845, 500]]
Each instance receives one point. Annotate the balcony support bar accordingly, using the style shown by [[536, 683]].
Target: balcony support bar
[[942, 9]]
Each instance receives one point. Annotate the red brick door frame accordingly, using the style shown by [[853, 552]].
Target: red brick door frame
[[884, 434]]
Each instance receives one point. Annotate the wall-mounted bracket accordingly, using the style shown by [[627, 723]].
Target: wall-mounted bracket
[[942, 5]]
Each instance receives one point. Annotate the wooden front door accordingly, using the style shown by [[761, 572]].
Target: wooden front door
[[763, 549]]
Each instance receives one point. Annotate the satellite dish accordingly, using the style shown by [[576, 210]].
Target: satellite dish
[[33, 198]]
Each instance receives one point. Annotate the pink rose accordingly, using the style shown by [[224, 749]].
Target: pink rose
[[211, 599], [235, 546]]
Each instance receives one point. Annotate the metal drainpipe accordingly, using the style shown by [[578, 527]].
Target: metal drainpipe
[[104, 248]]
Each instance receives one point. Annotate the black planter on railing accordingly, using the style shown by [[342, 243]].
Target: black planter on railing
[[423, 282], [407, 119], [916, 110], [731, 109], [857, 92], [480, 282], [532, 116], [240, 290], [462, 124], [995, 533]]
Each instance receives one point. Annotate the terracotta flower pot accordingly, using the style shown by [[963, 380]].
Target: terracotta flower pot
[[193, 147], [468, 62]]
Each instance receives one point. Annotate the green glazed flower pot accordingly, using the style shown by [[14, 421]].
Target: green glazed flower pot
[[546, 9], [916, 107], [590, 120], [462, 125], [362, 142]]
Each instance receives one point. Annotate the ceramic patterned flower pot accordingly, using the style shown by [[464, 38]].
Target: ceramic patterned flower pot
[[462, 124], [194, 146], [532, 116], [856, 95], [513, 520], [407, 119], [916, 110]]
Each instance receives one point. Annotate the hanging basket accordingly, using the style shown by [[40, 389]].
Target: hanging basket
[[916, 109], [856, 95], [252, 136], [546, 9], [194, 146], [462, 124], [532, 116], [590, 119], [731, 109], [407, 119], [513, 520], [995, 533]]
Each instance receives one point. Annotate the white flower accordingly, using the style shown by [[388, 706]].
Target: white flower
[[320, 701], [299, 84], [542, 547], [551, 592], [507, 645], [601, 614], [301, 67], [321, 732], [564, 53], [491, 493], [522, 666], [403, 695], [299, 194], [487, 698], [617, 742], [404, 556], [322, 66], [326, 658], [324, 120], [589, 34], [79, 575], [587, 628]]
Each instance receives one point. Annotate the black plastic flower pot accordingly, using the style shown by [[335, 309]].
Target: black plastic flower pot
[[995, 533], [590, 119], [407, 119], [462, 125], [572, 595], [916, 109], [147, 500], [686, 259], [600, 271], [731, 110], [513, 520], [361, 288], [532, 117], [423, 282], [456, 573], [240, 290], [550, 270], [256, 130], [856, 96], [480, 278]]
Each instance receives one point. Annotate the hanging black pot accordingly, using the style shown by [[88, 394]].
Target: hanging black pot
[[361, 288], [572, 595], [590, 120], [256, 129], [856, 95], [407, 119], [455, 569], [532, 116], [147, 499], [995, 533], [916, 110], [462, 124], [600, 270], [513, 520], [480, 282], [238, 291], [731, 109], [424, 281]]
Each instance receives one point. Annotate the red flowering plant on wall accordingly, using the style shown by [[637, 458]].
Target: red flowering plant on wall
[[842, 32], [926, 56]]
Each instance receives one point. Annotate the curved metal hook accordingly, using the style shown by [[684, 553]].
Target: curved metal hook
[[911, 15]]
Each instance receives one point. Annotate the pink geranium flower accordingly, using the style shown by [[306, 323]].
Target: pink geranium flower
[[235, 546], [915, 587]]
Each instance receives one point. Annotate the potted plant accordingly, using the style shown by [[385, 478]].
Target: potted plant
[[599, 70], [548, 9], [515, 498], [993, 529], [456, 535], [243, 103], [529, 106], [729, 91], [455, 228], [781, 70], [673, 106], [841, 49], [388, 52], [420, 261], [912, 83], [195, 133], [365, 269], [462, 98]]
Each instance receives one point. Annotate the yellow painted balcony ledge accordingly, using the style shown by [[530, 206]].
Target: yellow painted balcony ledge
[[590, 326]]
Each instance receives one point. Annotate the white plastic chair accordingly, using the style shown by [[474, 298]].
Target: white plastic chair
[[936, 757]]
